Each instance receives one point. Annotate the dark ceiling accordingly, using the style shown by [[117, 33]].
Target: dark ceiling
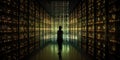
[[46, 4]]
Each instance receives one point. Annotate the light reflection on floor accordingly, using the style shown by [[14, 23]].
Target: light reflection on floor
[[65, 49], [50, 52]]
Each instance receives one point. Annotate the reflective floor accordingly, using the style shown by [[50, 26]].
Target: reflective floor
[[50, 52]]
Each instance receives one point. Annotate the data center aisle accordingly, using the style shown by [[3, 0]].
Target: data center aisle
[[50, 52]]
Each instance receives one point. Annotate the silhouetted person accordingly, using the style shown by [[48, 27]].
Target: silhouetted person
[[60, 57], [60, 39]]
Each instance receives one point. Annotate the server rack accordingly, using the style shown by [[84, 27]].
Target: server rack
[[20, 26], [79, 24], [23, 28], [83, 24], [37, 27], [100, 28], [70, 27], [41, 27], [113, 29], [91, 27], [8, 29], [74, 28]]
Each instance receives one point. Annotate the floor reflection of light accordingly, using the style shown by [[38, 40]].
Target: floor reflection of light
[[65, 49], [51, 48], [54, 49]]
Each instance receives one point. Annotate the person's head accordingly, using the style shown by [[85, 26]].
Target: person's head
[[60, 27]]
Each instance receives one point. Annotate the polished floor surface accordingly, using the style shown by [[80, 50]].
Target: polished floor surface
[[50, 52]]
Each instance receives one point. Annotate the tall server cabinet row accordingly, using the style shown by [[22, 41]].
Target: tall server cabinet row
[[22, 28], [99, 24], [74, 29]]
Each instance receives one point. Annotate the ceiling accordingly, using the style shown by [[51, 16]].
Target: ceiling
[[49, 6]]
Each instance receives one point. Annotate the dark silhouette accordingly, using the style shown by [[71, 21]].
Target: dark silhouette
[[60, 56], [59, 40]]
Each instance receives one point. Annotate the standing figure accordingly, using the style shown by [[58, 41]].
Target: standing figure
[[60, 39]]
